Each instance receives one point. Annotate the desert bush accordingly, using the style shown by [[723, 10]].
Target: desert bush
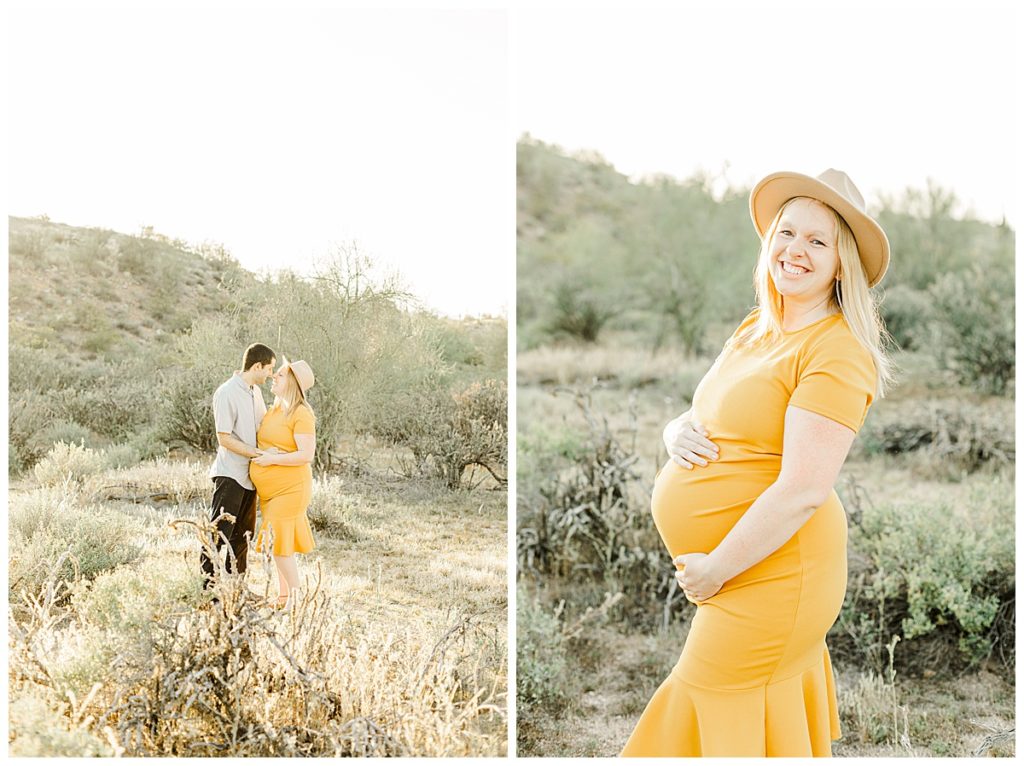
[[974, 322], [138, 256], [907, 314], [68, 462], [585, 523], [455, 344], [576, 315], [129, 598], [207, 353], [447, 433], [959, 435], [30, 242], [29, 413], [117, 615], [47, 523], [116, 404], [37, 730], [542, 680], [937, 576], [330, 509], [66, 431], [121, 456]]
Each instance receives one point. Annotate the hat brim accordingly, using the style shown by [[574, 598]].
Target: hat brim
[[773, 191]]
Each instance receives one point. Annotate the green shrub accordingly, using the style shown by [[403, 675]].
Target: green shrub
[[65, 431], [117, 614], [47, 523], [974, 319], [147, 442], [541, 451], [39, 731], [541, 656], [207, 354], [128, 599], [907, 314], [29, 415], [456, 346], [121, 456], [936, 575]]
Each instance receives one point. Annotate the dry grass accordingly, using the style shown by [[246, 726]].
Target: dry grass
[[917, 717], [398, 647], [628, 367]]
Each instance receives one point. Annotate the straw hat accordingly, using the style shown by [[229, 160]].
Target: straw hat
[[303, 374], [835, 189]]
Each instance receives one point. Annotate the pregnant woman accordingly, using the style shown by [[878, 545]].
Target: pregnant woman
[[283, 476], [746, 505]]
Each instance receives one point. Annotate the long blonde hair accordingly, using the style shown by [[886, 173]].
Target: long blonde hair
[[850, 295], [293, 396]]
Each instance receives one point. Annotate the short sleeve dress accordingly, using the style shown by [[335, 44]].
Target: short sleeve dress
[[284, 490], [754, 678]]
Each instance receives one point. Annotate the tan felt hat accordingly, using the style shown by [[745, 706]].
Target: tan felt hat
[[835, 189], [303, 374]]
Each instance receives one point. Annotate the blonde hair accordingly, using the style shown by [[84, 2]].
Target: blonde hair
[[293, 396], [850, 296]]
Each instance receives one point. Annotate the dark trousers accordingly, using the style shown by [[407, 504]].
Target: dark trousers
[[231, 497]]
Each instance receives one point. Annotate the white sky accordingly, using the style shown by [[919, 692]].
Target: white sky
[[893, 93], [276, 132]]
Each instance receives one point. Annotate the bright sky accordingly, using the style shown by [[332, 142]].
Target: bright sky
[[893, 94], [277, 133]]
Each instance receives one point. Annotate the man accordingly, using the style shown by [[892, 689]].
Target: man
[[238, 408]]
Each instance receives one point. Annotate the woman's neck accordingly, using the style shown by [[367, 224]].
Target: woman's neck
[[796, 316]]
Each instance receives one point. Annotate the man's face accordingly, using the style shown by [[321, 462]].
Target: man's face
[[264, 371]]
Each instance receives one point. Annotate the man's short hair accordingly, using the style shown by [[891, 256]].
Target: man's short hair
[[257, 353]]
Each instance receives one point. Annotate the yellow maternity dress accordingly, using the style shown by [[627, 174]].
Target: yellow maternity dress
[[284, 490], [754, 677]]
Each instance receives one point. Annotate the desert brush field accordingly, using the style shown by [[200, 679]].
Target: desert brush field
[[398, 647]]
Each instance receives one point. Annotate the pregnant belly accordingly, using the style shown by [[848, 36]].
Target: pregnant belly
[[271, 480], [695, 509]]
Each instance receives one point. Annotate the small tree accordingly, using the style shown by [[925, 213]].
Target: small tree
[[447, 433]]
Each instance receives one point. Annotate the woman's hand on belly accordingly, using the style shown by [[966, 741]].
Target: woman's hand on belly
[[687, 443], [266, 457], [697, 579]]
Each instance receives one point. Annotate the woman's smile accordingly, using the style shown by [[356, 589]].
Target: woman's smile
[[792, 269]]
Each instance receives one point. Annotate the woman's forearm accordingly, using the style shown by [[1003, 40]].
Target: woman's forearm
[[767, 525]]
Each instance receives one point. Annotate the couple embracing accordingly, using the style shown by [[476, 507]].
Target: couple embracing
[[265, 454]]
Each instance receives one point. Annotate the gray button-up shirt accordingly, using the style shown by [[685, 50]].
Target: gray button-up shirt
[[238, 409]]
